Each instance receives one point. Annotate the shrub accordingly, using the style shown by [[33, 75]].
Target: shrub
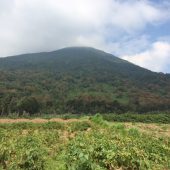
[[111, 149], [79, 126], [98, 119]]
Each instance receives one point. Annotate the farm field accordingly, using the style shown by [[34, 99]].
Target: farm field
[[88, 143]]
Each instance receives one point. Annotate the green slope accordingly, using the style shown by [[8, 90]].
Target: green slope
[[80, 80]]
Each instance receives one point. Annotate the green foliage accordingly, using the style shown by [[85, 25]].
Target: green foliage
[[33, 126], [82, 145], [145, 118], [29, 105], [31, 154], [112, 149], [79, 80], [98, 119], [79, 126], [24, 153]]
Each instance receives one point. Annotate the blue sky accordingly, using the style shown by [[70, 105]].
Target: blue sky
[[135, 30]]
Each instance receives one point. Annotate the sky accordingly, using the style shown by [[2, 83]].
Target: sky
[[135, 30]]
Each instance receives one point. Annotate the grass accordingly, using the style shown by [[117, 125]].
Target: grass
[[93, 144]]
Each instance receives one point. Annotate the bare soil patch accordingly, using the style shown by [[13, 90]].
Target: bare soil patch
[[37, 120]]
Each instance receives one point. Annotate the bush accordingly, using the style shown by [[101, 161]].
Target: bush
[[98, 119], [111, 149], [26, 153], [132, 117]]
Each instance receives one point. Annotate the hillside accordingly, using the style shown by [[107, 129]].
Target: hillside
[[79, 80]]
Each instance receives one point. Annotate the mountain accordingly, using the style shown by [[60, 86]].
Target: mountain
[[79, 80]]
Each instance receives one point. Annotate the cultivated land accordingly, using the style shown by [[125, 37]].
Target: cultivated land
[[87, 143]]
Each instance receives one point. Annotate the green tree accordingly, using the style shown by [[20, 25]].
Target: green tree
[[29, 105]]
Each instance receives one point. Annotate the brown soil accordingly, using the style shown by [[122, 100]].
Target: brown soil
[[37, 120]]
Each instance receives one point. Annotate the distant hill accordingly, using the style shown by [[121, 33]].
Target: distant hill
[[79, 80]]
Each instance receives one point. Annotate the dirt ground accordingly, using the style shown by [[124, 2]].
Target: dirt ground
[[37, 120]]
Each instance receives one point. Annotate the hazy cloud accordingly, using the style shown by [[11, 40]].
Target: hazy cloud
[[45, 25], [156, 58]]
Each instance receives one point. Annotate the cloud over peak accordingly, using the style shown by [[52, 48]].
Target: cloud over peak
[[45, 25]]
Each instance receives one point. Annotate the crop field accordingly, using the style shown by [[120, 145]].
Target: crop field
[[83, 144]]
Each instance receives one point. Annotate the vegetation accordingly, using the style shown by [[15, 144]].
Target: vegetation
[[28, 105], [79, 80], [155, 117], [145, 118], [82, 82], [82, 145]]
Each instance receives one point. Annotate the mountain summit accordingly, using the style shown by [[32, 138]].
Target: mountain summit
[[80, 80]]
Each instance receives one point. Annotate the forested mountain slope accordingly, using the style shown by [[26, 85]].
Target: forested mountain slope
[[79, 80]]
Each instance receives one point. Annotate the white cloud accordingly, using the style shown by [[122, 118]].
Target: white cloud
[[157, 58], [44, 25], [134, 15]]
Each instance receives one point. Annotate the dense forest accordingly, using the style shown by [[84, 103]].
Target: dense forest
[[79, 80]]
